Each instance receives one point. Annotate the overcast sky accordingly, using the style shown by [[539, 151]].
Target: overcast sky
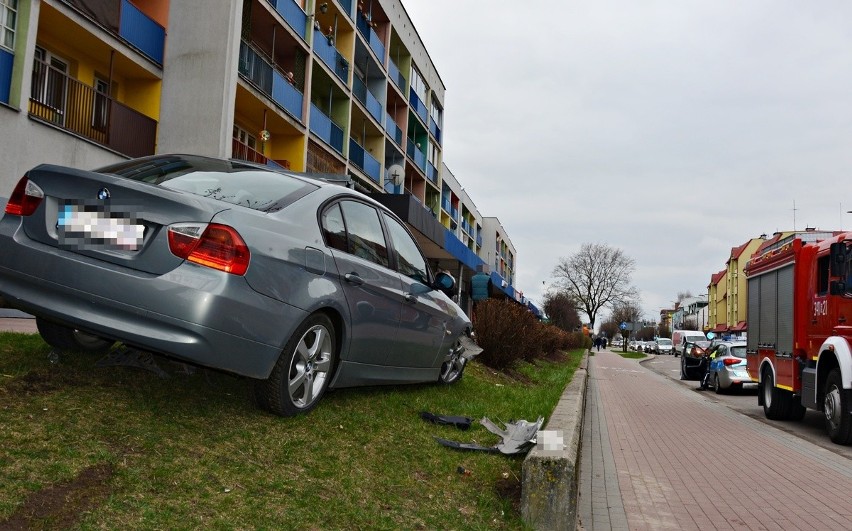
[[673, 130]]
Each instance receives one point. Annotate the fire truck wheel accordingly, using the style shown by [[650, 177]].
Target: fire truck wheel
[[838, 423], [776, 404], [797, 410]]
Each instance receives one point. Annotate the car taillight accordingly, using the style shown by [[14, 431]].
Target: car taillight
[[731, 361], [26, 197], [211, 245]]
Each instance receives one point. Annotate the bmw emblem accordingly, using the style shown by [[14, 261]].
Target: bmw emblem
[[103, 194]]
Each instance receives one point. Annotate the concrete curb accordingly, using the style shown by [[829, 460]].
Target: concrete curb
[[549, 477]]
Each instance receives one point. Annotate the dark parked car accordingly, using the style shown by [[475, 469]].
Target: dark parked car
[[298, 284], [691, 365]]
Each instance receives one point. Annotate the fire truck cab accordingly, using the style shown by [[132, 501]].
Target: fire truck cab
[[800, 329]]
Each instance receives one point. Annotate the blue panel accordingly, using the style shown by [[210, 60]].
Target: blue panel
[[456, 248], [142, 32], [293, 14], [286, 95], [6, 62]]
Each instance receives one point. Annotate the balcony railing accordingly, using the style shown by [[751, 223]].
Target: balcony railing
[[325, 128], [419, 106], [371, 37], [242, 151], [393, 129], [479, 240], [466, 226], [324, 47], [292, 14], [418, 156], [347, 6], [64, 102], [396, 76], [361, 158], [366, 97], [122, 18], [431, 172], [260, 73], [435, 130], [6, 62]]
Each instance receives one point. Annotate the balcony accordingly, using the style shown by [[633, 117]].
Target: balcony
[[435, 130], [396, 76], [263, 76], [62, 101], [122, 18], [361, 158], [432, 172], [466, 226], [242, 151], [6, 62], [445, 204], [324, 48], [418, 156], [347, 6], [419, 106], [326, 129], [363, 94], [292, 14], [479, 240], [371, 37], [393, 129]]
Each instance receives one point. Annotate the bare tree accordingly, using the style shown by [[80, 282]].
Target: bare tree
[[597, 276], [561, 310]]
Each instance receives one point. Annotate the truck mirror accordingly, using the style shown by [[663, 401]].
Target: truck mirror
[[837, 287], [838, 259]]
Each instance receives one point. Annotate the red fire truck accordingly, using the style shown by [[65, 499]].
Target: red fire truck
[[799, 344]]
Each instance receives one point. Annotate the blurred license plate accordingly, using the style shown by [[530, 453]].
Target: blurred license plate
[[82, 226], [742, 374]]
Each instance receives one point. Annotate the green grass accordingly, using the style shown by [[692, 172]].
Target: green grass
[[134, 450], [632, 355]]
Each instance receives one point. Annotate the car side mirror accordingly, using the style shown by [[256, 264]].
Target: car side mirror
[[837, 287], [837, 252], [445, 283]]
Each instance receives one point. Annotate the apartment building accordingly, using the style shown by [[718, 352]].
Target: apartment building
[[339, 86]]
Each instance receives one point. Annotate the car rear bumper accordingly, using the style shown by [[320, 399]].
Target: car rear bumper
[[193, 313]]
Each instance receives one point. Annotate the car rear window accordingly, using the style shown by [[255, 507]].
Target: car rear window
[[224, 180], [739, 352]]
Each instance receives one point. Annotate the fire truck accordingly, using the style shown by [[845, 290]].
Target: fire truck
[[799, 343]]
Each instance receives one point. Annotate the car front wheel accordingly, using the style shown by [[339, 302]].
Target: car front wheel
[[453, 368], [303, 371]]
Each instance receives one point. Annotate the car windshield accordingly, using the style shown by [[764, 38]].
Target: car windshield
[[664, 341], [693, 339], [228, 181]]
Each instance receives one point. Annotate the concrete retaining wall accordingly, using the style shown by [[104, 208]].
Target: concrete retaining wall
[[549, 477]]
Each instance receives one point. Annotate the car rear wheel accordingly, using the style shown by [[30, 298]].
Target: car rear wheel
[[66, 338], [453, 369], [301, 376], [716, 385], [838, 423]]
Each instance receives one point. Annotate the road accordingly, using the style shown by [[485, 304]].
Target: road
[[745, 401]]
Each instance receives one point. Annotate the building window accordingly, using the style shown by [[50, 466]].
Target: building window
[[8, 22], [437, 115], [49, 82], [244, 137], [418, 85]]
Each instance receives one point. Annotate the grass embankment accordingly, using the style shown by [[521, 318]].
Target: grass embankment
[[112, 448]]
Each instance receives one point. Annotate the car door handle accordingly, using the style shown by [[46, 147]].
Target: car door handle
[[353, 278], [409, 298]]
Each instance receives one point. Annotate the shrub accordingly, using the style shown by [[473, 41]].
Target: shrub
[[508, 332]]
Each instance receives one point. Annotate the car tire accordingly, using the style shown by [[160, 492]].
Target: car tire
[[453, 369], [776, 402], [303, 371], [716, 385], [68, 339], [838, 423]]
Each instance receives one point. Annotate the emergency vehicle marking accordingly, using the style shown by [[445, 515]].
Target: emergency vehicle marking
[[820, 308]]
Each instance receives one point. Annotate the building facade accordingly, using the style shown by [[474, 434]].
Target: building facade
[[339, 86]]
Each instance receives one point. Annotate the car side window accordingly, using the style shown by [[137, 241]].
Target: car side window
[[333, 228], [364, 236], [408, 258]]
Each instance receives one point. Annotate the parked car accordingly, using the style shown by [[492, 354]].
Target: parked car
[[728, 366], [298, 284], [663, 345], [691, 367], [681, 337]]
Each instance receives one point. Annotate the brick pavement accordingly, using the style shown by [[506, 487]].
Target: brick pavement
[[658, 455]]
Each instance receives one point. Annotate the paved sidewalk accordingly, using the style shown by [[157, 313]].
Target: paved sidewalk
[[658, 455], [16, 321]]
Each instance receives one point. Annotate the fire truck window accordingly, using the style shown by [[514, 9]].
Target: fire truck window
[[822, 275]]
